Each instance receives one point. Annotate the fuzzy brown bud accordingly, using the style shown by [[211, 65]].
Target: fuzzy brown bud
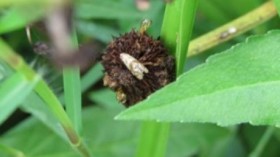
[[136, 65]]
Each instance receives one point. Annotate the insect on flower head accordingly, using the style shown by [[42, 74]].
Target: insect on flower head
[[136, 65]]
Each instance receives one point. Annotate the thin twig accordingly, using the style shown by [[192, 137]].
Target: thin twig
[[233, 29]]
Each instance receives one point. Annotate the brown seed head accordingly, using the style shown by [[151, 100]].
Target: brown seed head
[[148, 67]]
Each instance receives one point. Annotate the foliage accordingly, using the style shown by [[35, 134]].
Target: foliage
[[240, 84], [236, 90]]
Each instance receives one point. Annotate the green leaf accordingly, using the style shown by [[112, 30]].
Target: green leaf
[[210, 10], [102, 141], [94, 30], [12, 92], [6, 151], [105, 98], [2, 72], [92, 77], [277, 4], [45, 93], [235, 8], [4, 3], [8, 56], [155, 14], [239, 85], [108, 138], [204, 139], [39, 110], [33, 139], [72, 90], [19, 17], [73, 96], [109, 9]]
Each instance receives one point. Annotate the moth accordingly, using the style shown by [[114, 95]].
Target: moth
[[133, 65]]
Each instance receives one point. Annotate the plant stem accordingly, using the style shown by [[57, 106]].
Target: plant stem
[[176, 32], [153, 139], [263, 142], [233, 29]]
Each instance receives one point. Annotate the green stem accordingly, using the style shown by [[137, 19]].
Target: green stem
[[262, 143], [153, 139], [176, 32], [72, 92], [177, 29], [233, 29]]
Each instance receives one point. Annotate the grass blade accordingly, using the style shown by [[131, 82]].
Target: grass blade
[[72, 96], [46, 94], [72, 90], [12, 92], [9, 151]]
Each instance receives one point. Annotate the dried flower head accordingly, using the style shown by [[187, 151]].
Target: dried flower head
[[136, 65]]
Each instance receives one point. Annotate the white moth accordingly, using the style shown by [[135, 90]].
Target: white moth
[[133, 65]]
